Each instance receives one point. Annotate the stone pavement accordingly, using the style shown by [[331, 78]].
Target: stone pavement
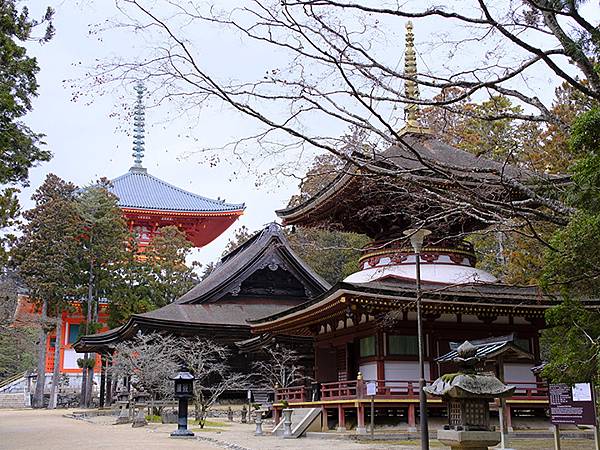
[[42, 429]]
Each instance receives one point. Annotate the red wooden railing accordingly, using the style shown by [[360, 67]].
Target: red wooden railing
[[291, 394], [529, 390], [394, 389], [339, 390]]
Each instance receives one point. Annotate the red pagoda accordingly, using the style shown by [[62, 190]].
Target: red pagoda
[[148, 203]]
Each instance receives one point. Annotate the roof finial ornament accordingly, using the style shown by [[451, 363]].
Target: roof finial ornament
[[139, 114], [411, 88]]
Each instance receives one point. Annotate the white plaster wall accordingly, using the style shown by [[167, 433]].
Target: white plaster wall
[[70, 358], [519, 372], [369, 371]]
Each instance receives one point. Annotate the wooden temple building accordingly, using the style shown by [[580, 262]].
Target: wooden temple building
[[148, 203], [364, 328], [260, 278]]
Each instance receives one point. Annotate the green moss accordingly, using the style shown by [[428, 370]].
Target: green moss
[[211, 423], [153, 418]]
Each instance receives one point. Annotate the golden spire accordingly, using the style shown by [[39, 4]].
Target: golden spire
[[411, 88]]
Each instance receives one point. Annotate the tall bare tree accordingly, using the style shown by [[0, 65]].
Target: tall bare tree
[[209, 363], [280, 368], [336, 62]]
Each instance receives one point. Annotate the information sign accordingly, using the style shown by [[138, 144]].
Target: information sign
[[371, 388], [572, 405]]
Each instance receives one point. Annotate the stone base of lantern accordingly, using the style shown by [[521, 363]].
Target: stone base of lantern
[[471, 440], [122, 420], [182, 434]]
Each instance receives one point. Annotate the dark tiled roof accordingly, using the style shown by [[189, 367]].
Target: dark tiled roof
[[405, 290], [138, 189], [213, 313], [357, 190], [267, 246], [437, 152], [218, 317]]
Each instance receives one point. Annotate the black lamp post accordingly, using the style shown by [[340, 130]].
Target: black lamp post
[[184, 390], [416, 239]]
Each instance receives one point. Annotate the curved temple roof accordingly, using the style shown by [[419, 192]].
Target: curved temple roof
[[355, 190], [137, 189], [211, 306], [267, 247]]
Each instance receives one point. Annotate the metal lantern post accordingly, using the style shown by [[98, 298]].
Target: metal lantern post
[[416, 239], [184, 390]]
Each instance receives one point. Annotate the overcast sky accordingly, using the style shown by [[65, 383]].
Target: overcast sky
[[88, 131], [89, 138]]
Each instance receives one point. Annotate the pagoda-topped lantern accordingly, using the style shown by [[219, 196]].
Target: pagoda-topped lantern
[[184, 391], [468, 394]]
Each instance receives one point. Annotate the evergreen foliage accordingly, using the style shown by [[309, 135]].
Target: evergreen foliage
[[572, 268], [20, 147], [152, 279]]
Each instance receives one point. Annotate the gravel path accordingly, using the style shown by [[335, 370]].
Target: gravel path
[[37, 429]]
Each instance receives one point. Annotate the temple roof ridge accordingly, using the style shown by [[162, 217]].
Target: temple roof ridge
[[267, 248]]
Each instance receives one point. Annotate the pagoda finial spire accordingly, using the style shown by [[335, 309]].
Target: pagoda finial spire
[[139, 122], [411, 88]]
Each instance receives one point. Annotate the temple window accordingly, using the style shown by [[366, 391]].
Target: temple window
[[403, 345], [142, 233], [73, 333], [367, 347]]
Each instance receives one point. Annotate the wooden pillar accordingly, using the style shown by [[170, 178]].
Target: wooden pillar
[[341, 419], [109, 383], [508, 418], [102, 379], [412, 423], [324, 424], [276, 415], [360, 419]]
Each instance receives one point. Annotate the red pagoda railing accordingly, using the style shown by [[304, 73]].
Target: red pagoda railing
[[393, 389]]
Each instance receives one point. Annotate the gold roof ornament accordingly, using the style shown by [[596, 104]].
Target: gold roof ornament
[[411, 86]]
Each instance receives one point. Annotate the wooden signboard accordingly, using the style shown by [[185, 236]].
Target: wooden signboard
[[572, 404]]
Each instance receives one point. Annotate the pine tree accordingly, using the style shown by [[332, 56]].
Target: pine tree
[[20, 147], [102, 241], [152, 279], [46, 255]]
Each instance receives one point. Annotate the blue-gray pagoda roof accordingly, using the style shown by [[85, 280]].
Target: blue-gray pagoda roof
[[138, 189]]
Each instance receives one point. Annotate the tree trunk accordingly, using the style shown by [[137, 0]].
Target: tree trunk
[[85, 373], [38, 397], [56, 372], [90, 384], [83, 384]]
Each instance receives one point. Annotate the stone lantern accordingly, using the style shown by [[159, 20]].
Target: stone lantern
[[184, 390], [468, 394], [140, 402], [123, 404]]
